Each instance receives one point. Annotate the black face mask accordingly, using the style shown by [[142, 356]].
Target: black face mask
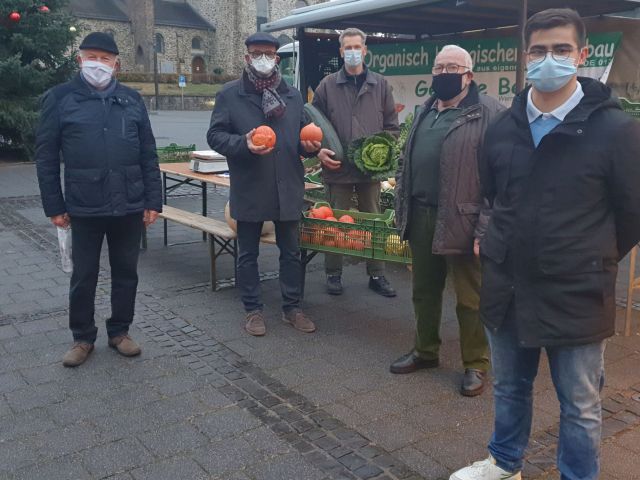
[[447, 85]]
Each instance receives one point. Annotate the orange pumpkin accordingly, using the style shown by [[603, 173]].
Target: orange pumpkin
[[311, 133], [264, 136]]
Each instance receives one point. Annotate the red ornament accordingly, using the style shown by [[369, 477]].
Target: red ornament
[[43, 9], [14, 17]]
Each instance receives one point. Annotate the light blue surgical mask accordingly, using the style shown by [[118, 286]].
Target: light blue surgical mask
[[550, 75], [352, 58]]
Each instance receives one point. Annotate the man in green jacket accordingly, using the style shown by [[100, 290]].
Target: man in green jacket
[[358, 103], [438, 201]]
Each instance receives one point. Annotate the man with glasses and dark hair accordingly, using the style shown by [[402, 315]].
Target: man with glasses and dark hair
[[267, 183], [561, 172], [438, 202]]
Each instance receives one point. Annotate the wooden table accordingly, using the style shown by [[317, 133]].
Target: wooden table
[[181, 174]]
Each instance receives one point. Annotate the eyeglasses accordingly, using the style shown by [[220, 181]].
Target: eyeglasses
[[257, 55], [449, 68], [558, 52]]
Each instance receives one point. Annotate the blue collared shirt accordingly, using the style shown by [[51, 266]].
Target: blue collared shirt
[[542, 123]]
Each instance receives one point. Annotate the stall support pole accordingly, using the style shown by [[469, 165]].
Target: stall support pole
[[520, 75]]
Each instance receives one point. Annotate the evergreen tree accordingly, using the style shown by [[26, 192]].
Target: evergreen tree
[[35, 54]]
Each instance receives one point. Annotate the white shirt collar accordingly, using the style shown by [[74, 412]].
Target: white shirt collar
[[561, 112]]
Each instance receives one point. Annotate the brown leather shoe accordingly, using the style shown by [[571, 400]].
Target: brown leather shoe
[[299, 321], [77, 354], [473, 382], [255, 324], [125, 345]]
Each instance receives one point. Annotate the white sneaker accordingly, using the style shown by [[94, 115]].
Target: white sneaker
[[484, 470]]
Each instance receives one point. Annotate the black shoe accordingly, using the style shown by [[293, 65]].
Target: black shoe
[[381, 286], [334, 285], [410, 363], [473, 382]]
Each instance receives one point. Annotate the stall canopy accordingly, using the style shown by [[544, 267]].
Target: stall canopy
[[432, 17]]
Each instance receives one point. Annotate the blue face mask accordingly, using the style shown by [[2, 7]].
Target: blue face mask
[[550, 74], [352, 58]]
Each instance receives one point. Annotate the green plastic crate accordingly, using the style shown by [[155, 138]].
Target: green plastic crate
[[174, 153], [354, 239], [388, 246]]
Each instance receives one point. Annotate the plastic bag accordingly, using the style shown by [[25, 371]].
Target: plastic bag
[[64, 240]]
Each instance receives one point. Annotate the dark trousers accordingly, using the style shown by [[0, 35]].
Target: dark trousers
[[123, 239], [290, 266], [429, 275]]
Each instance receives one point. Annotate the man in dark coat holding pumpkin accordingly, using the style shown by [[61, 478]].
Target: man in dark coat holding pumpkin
[[267, 183]]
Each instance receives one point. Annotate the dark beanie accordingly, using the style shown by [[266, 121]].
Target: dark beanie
[[100, 41], [262, 37]]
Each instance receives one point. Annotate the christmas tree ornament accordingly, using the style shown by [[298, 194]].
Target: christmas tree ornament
[[14, 17], [43, 9]]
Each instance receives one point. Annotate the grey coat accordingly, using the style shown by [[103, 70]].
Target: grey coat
[[355, 114], [460, 198], [263, 187]]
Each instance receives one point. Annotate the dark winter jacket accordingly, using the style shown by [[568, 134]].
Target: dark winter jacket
[[263, 187], [355, 114], [563, 215], [108, 148], [459, 198]]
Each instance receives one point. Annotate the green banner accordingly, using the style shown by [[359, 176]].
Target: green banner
[[489, 55]]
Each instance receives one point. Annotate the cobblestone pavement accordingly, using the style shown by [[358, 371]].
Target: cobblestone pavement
[[207, 401]]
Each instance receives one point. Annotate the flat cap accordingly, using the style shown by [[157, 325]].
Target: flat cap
[[100, 41], [262, 37]]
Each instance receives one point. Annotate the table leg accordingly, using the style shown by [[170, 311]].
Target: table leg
[[164, 201], [204, 205], [632, 279]]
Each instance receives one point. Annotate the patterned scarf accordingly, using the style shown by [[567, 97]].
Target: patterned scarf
[[272, 104]]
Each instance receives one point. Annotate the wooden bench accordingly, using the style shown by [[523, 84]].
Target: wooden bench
[[222, 239]]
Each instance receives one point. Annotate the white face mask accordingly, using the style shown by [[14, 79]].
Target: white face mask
[[352, 58], [263, 65], [97, 74]]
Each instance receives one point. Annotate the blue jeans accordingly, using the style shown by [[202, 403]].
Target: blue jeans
[[578, 377], [248, 280]]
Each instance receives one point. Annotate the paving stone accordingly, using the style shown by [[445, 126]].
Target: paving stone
[[115, 457], [288, 467], [27, 342], [77, 409], [265, 441], [225, 423], [16, 455], [169, 441], [172, 469], [227, 455], [611, 426], [352, 461], [24, 424], [8, 331], [36, 396], [65, 440], [11, 381], [64, 468], [367, 471], [37, 326]]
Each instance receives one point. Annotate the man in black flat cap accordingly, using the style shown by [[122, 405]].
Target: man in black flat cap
[[112, 187], [267, 184]]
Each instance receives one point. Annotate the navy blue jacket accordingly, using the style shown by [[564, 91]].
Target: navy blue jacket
[[563, 214], [263, 187], [108, 148]]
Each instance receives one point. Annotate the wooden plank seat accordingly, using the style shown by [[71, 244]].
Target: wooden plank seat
[[222, 239]]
